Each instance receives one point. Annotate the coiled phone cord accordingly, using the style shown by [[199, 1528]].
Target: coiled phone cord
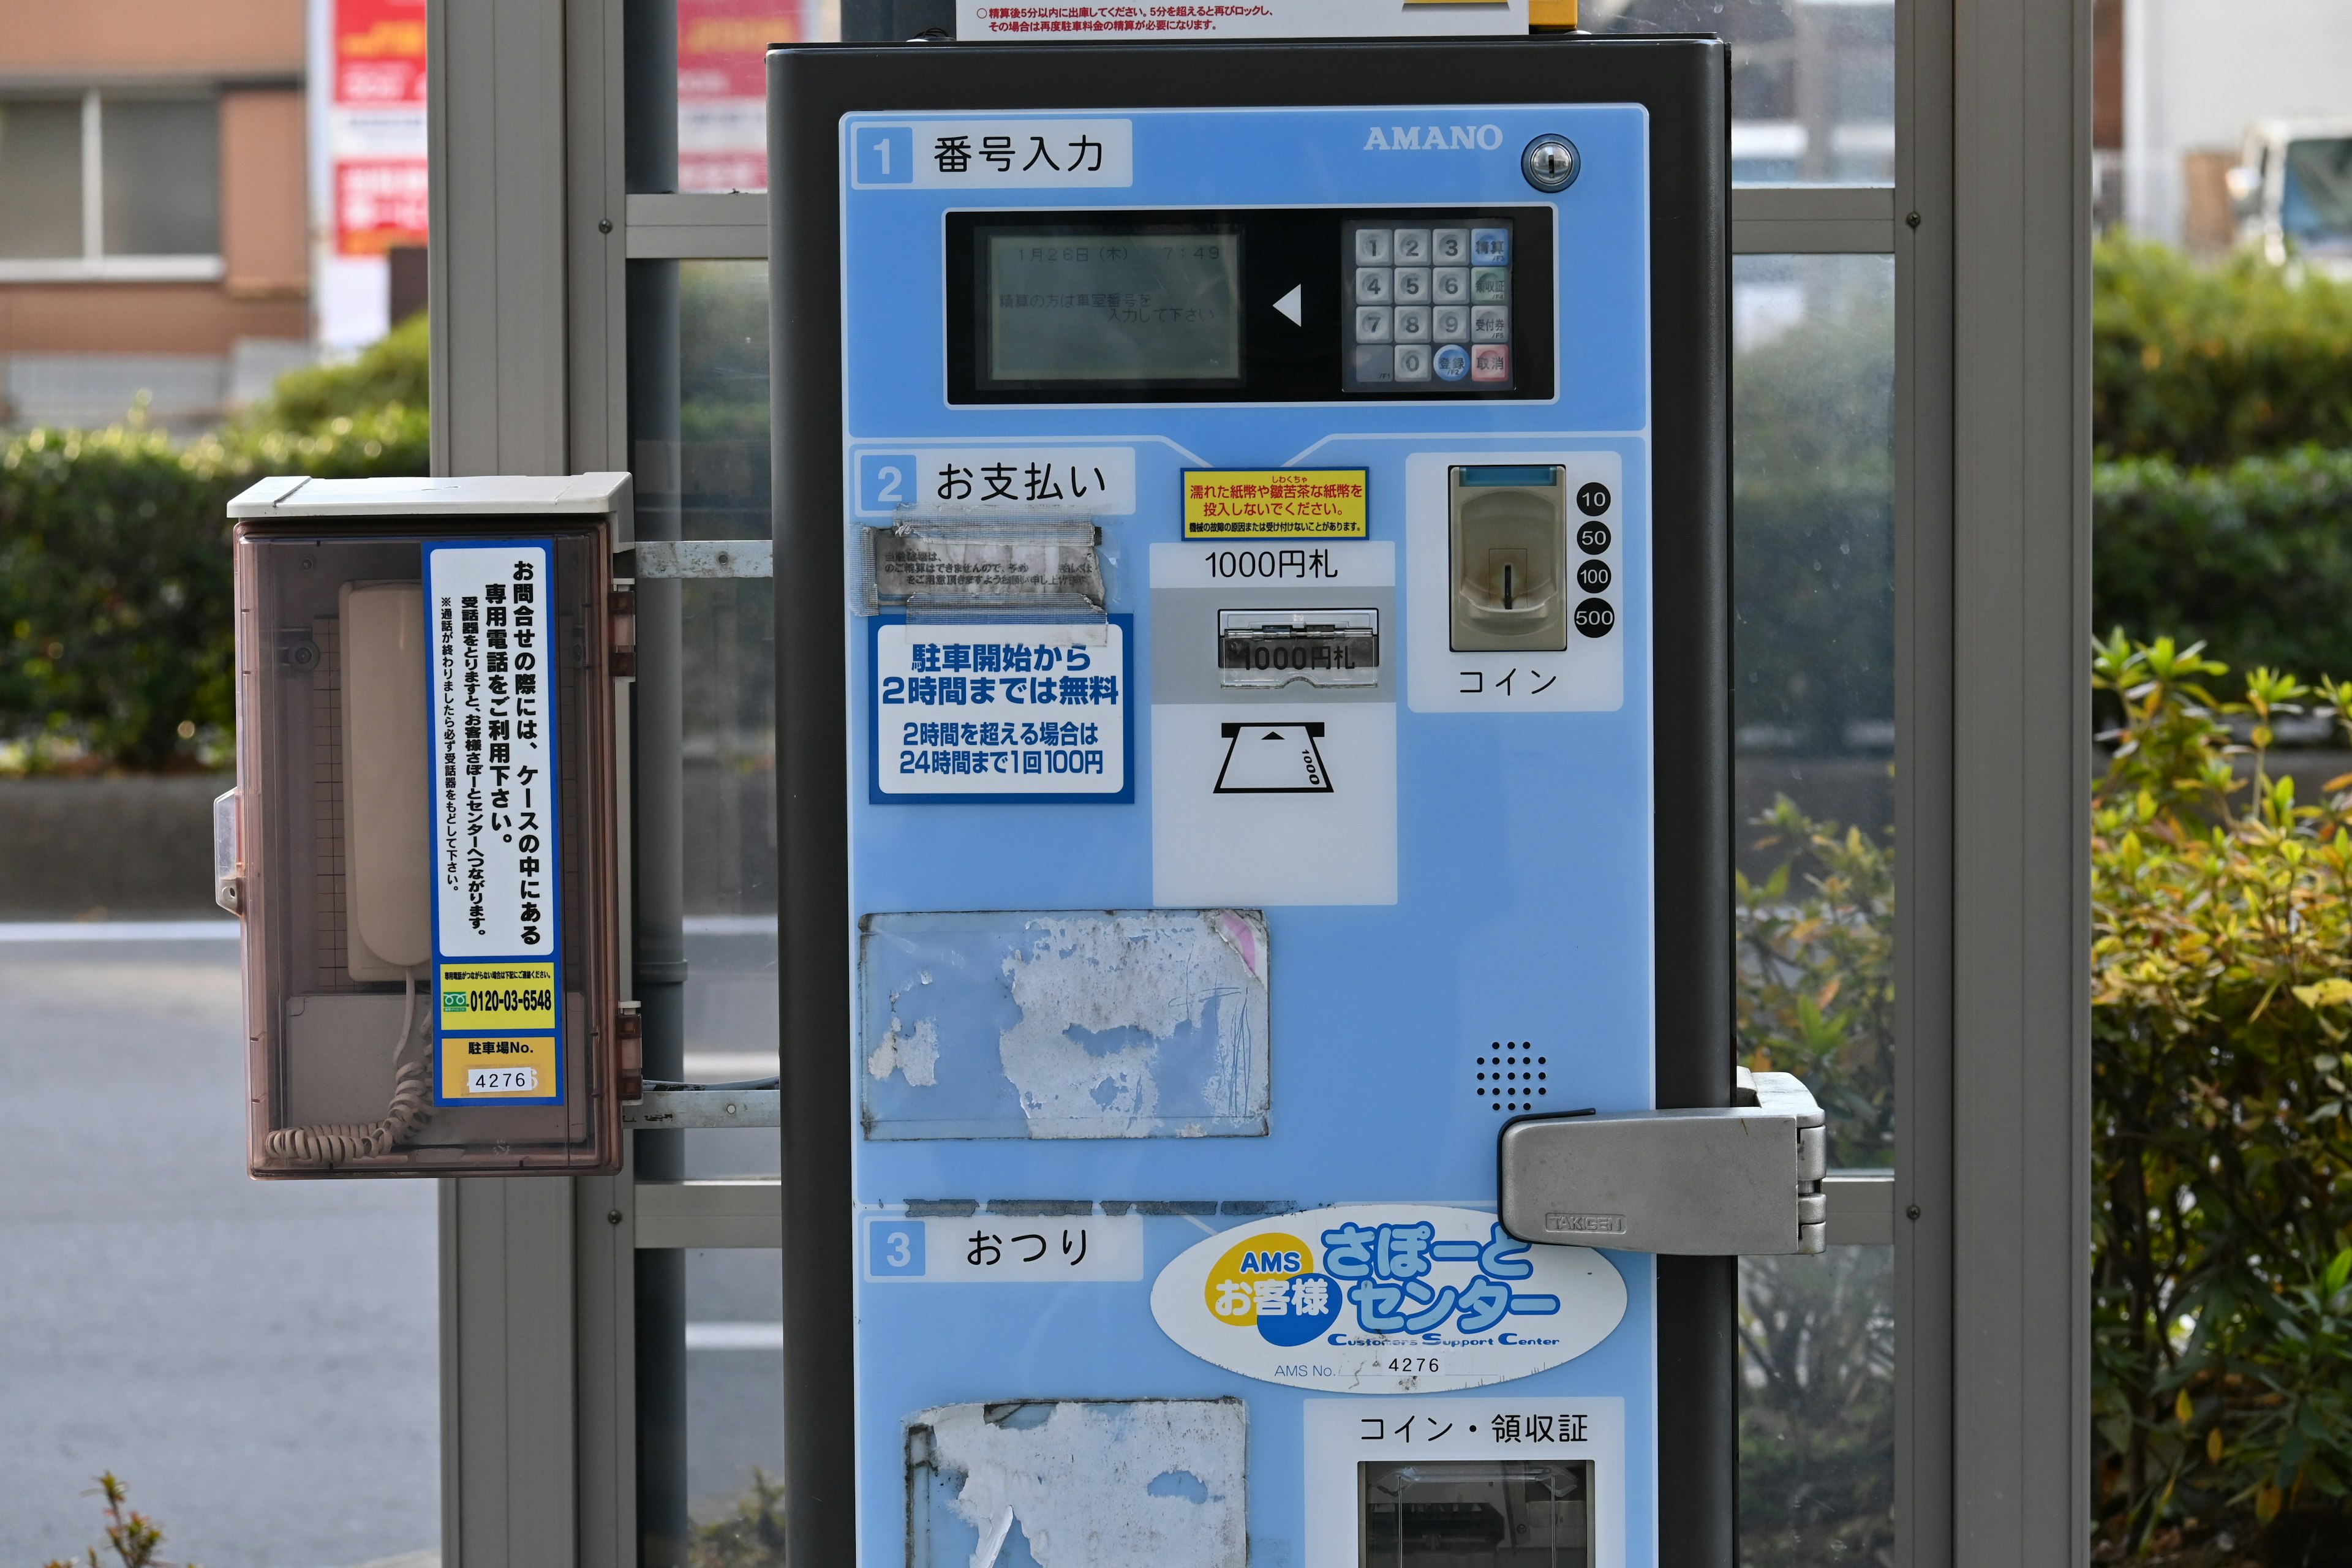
[[339, 1143]]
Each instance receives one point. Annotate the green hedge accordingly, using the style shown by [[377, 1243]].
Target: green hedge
[[2255, 560], [116, 647], [2210, 364], [394, 370]]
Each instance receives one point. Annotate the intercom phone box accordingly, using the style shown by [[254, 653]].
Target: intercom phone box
[[426, 843]]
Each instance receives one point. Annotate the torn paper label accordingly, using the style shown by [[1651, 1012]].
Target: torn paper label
[[1078, 1023], [1146, 1483]]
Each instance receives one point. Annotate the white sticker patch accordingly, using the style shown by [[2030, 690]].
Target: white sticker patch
[[1274, 804], [1146, 1483], [1385, 1299], [1068, 1023]]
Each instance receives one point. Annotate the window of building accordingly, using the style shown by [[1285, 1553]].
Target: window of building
[[106, 184]]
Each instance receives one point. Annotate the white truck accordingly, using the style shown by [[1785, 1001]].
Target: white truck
[[2291, 191]]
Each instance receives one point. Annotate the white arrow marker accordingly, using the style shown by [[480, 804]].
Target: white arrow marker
[[1289, 306]]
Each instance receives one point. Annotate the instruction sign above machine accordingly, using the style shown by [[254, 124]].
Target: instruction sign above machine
[[498, 965]]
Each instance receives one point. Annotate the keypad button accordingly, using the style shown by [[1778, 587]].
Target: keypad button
[[1413, 362], [1490, 324], [1412, 285], [1374, 247], [1490, 285], [1450, 285], [1413, 248], [1374, 324], [1450, 247], [1490, 248], [1412, 324], [1375, 363], [1449, 324], [1374, 285], [1451, 362], [1490, 361]]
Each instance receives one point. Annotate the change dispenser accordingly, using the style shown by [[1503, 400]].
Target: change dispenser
[[423, 842], [1252, 761]]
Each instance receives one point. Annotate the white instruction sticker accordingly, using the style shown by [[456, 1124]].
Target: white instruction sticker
[[1000, 712], [992, 155], [1385, 1299], [1005, 1250], [1042, 19], [1011, 481], [492, 688]]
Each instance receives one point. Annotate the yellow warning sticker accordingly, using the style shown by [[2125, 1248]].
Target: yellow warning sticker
[[498, 995], [1271, 503], [498, 1066]]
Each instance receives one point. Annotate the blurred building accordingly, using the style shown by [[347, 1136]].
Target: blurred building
[[1813, 81], [2191, 78], [153, 222]]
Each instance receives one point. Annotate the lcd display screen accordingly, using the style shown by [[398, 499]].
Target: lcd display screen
[[1142, 307]]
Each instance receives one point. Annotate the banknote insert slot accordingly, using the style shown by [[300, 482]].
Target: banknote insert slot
[[1320, 647]]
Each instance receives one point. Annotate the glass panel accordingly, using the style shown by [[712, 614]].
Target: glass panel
[[161, 163], [735, 1406], [715, 477], [722, 368], [1813, 81], [1817, 1409], [40, 178], [731, 849], [1813, 673], [1813, 703], [722, 84]]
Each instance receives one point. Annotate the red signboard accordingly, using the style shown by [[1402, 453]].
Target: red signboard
[[722, 88], [378, 125]]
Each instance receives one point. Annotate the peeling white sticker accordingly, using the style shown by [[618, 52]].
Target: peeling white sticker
[[1086, 1484], [1385, 1299], [1085, 1023], [916, 1054]]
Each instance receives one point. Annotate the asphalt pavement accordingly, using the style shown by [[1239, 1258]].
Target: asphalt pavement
[[258, 1360]]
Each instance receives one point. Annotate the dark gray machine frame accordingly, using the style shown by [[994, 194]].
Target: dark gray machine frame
[[1684, 84]]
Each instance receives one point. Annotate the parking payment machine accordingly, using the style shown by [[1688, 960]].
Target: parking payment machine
[[1251, 561]]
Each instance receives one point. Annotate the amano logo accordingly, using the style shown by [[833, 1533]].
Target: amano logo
[[1434, 138]]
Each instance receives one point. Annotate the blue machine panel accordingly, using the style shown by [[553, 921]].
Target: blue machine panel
[[1215, 900]]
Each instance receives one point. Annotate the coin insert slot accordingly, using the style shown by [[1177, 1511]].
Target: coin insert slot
[[1266, 649], [1510, 571]]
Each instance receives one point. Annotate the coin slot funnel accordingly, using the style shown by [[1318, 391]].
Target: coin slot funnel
[[1510, 561]]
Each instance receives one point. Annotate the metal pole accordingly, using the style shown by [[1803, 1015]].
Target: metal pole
[[650, 45]]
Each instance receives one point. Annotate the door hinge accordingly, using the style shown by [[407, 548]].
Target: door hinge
[[1738, 1180]]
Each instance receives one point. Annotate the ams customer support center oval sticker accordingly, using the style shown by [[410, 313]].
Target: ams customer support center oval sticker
[[1385, 1299]]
